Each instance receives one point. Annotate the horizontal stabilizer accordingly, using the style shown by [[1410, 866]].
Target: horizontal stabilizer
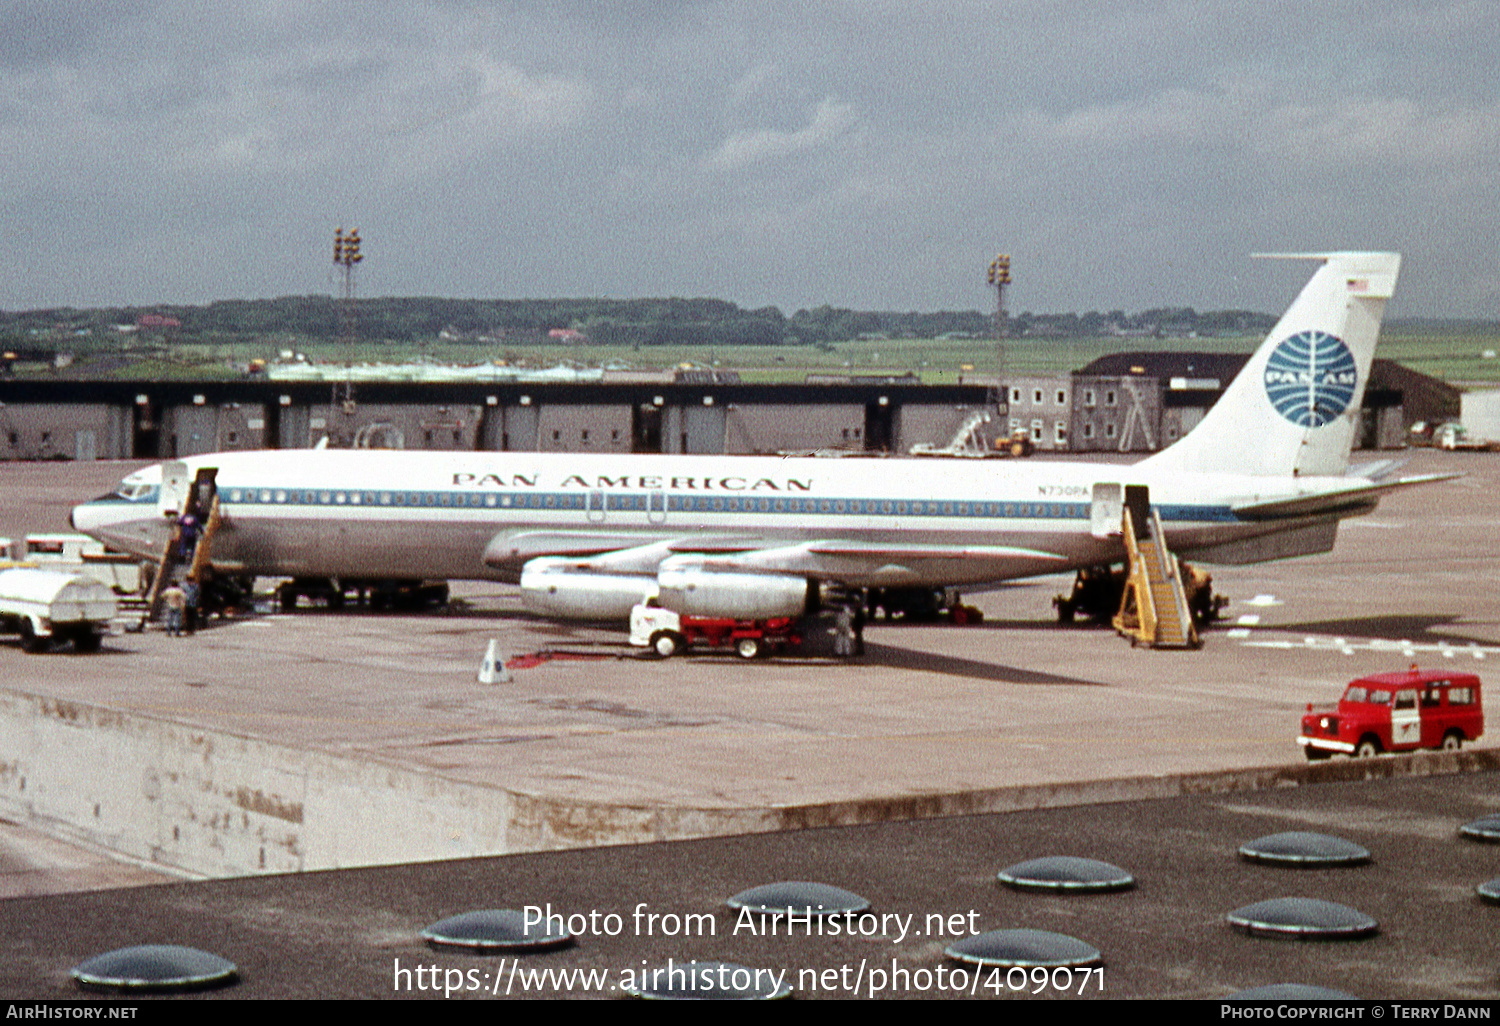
[[1379, 470], [1306, 540], [1356, 498]]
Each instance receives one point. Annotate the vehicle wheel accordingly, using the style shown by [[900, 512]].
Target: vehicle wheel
[[1315, 754], [1452, 741], [288, 598], [665, 644], [747, 648], [1368, 749], [29, 640], [87, 641]]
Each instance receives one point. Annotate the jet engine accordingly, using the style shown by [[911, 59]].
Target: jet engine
[[550, 587], [694, 591], [559, 587]]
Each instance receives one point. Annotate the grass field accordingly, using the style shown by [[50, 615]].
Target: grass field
[[1453, 355]]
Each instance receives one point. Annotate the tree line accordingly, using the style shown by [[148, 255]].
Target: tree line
[[630, 322]]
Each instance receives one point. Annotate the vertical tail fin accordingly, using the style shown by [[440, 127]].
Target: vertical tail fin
[[1294, 409]]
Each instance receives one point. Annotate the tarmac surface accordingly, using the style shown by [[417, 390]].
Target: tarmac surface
[[1069, 727]]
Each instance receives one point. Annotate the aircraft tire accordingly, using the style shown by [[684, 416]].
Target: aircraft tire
[[748, 648], [665, 644], [30, 641]]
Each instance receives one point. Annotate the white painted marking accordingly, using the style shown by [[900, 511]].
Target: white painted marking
[[1263, 600], [1347, 647], [1248, 620]]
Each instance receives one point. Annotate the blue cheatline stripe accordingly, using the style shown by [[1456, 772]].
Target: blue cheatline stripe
[[678, 503]]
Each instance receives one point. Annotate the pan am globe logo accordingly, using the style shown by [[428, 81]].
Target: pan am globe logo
[[1310, 378]]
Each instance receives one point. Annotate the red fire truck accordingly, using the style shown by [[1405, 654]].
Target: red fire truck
[[1396, 712]]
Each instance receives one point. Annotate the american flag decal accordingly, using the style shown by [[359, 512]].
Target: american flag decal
[[1359, 284]]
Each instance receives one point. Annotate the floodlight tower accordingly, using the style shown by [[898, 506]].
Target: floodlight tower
[[1000, 277], [346, 255]]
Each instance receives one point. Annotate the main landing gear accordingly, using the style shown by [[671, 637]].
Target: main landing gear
[[1098, 591]]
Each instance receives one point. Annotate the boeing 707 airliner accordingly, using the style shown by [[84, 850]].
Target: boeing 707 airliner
[[1264, 475]]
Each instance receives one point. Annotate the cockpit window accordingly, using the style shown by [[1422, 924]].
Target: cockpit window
[[134, 492]]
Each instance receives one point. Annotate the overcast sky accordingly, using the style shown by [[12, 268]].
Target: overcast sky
[[871, 154]]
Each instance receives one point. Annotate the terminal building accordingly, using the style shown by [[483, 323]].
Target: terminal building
[[1132, 402], [45, 420]]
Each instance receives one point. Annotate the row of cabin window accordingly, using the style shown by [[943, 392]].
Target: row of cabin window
[[677, 503]]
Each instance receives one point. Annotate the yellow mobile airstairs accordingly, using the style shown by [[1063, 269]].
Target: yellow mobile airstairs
[[1154, 609], [201, 501], [1156, 599]]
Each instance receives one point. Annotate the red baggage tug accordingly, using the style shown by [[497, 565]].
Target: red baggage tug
[[1397, 712]]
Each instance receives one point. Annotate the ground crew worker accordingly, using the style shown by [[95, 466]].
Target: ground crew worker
[[176, 601], [190, 595], [843, 633]]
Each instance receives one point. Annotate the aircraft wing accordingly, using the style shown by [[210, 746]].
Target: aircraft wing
[[514, 548], [857, 563], [1359, 497], [879, 563]]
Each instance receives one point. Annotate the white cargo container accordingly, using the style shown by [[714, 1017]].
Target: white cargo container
[[1480, 414], [44, 606]]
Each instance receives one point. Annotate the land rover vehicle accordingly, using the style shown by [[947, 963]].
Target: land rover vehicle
[[1395, 712]]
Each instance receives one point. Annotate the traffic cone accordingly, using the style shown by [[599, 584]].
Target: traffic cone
[[492, 670]]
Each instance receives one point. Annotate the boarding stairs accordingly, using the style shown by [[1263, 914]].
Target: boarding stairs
[[1154, 608], [172, 566]]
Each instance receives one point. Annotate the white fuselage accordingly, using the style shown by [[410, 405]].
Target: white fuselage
[[435, 514]]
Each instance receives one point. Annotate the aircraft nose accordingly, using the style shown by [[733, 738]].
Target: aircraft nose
[[77, 522], [85, 517]]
